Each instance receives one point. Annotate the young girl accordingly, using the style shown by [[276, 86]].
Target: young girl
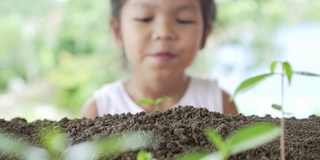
[[160, 39]]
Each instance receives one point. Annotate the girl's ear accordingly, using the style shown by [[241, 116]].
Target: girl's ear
[[206, 34], [116, 32]]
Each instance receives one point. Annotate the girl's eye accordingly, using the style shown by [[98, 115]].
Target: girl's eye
[[185, 21], [145, 20]]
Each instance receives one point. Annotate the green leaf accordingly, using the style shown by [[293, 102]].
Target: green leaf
[[251, 137], [192, 156], [307, 74], [145, 101], [215, 138], [277, 107], [249, 83], [159, 100], [287, 68], [273, 66], [53, 140], [162, 99], [143, 155]]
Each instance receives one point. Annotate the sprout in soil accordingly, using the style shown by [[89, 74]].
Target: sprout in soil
[[55, 146], [155, 103], [286, 71], [143, 155], [239, 141]]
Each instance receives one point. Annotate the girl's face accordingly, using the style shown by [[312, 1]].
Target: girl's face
[[160, 37]]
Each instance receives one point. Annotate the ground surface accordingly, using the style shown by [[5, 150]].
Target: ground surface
[[180, 130]]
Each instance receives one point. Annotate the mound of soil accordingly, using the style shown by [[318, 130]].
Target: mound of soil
[[180, 130]]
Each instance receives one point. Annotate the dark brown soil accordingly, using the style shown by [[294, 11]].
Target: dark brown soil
[[180, 130]]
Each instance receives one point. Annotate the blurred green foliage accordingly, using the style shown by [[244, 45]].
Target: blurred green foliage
[[68, 43], [253, 23]]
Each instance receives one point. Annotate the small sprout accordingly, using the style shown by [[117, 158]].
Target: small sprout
[[143, 155], [239, 141], [155, 103], [286, 71], [54, 141], [251, 82], [146, 101], [162, 99]]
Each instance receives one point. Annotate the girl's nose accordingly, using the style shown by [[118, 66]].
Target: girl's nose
[[163, 31]]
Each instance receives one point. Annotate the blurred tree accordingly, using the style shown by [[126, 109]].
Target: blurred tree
[[30, 8], [86, 58], [8, 49], [18, 25], [253, 24], [85, 27]]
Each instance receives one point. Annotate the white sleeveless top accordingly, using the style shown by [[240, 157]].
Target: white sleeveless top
[[113, 98]]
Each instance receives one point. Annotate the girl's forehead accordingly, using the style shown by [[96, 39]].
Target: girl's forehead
[[164, 4]]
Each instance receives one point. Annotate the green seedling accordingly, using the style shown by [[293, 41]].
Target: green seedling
[[54, 141], [143, 155], [239, 141], [55, 146], [286, 72], [155, 103]]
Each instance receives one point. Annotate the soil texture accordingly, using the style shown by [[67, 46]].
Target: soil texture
[[178, 131]]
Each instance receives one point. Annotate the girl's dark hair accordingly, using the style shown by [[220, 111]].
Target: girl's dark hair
[[208, 8]]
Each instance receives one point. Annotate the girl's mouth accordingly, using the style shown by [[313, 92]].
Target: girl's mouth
[[164, 56]]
